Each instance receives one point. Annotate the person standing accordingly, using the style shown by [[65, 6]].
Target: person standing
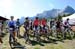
[[44, 23], [12, 25], [66, 23], [36, 23], [26, 26], [18, 27]]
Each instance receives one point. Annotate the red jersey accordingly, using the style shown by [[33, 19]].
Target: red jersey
[[36, 22], [43, 22]]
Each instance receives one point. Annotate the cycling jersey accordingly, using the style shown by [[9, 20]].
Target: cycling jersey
[[26, 25], [58, 24], [36, 22], [11, 24], [66, 24], [43, 22], [18, 23]]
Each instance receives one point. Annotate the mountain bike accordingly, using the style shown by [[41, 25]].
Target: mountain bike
[[69, 32], [37, 34], [18, 31], [26, 35]]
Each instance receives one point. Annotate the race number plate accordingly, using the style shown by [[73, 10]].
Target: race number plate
[[10, 28]]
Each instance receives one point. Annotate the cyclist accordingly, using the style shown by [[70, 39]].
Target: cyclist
[[66, 27], [58, 28], [66, 23], [18, 27], [44, 23], [26, 26], [36, 24], [31, 25], [51, 23], [11, 25]]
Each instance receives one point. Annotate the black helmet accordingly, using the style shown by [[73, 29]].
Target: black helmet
[[12, 16], [36, 17], [17, 19], [26, 18], [67, 18]]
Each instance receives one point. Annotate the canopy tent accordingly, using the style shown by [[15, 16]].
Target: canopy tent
[[3, 18], [71, 17]]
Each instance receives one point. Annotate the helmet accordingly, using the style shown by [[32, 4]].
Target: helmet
[[26, 18], [67, 18], [17, 19], [36, 17], [12, 16]]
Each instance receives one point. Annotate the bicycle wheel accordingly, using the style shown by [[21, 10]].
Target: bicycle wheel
[[71, 33]]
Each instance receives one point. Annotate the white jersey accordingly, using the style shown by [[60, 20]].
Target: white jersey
[[66, 23]]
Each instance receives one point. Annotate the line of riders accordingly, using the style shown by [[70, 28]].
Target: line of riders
[[38, 28]]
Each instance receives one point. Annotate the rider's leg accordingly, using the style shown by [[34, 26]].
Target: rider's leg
[[36, 32], [10, 38], [13, 38], [65, 32], [26, 35], [18, 32]]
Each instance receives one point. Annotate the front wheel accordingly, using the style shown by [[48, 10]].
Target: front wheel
[[71, 33]]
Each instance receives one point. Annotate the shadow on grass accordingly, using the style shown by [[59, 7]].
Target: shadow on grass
[[18, 46], [36, 43], [42, 42], [3, 34], [49, 41]]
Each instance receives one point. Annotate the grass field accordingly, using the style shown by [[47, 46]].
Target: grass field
[[66, 44]]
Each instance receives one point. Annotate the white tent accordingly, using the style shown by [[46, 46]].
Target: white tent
[[71, 17]]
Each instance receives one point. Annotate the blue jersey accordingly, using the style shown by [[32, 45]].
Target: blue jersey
[[11, 23], [18, 23]]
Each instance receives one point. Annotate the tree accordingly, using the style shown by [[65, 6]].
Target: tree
[[59, 17]]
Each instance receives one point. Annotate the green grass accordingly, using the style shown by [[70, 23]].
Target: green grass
[[36, 48]]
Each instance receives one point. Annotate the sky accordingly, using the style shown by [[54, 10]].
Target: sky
[[19, 8]]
